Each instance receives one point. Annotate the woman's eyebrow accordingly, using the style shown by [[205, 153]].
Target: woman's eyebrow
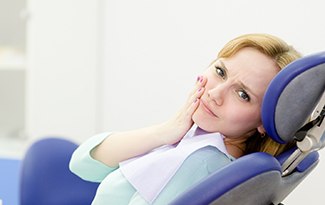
[[223, 65]]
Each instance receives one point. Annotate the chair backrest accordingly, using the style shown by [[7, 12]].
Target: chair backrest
[[259, 178], [46, 178]]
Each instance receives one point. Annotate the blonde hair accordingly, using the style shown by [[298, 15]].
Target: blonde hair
[[282, 54]]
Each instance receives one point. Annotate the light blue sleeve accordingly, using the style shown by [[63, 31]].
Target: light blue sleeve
[[86, 167]]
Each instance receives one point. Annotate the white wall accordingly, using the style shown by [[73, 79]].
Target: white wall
[[12, 27], [62, 68], [152, 52]]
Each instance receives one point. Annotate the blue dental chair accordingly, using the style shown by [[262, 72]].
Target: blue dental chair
[[45, 178], [293, 110]]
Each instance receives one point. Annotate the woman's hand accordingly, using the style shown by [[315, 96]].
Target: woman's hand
[[176, 127]]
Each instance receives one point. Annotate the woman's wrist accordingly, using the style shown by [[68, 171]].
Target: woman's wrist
[[170, 133]]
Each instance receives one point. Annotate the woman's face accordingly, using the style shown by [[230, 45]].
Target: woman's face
[[231, 103]]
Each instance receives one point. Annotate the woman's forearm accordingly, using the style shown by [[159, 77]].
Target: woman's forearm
[[124, 145]]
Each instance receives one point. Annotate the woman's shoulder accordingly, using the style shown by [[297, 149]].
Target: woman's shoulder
[[208, 158], [196, 167]]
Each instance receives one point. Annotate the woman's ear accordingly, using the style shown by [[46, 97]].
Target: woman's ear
[[261, 130]]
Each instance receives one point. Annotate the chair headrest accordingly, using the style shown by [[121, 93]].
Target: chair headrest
[[292, 96]]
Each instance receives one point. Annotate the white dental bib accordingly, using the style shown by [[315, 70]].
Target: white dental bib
[[150, 173]]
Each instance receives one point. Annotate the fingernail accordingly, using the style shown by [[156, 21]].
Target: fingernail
[[198, 78], [199, 89]]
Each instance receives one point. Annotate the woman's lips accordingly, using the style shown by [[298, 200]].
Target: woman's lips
[[207, 108]]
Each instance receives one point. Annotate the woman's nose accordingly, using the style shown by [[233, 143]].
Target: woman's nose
[[218, 93]]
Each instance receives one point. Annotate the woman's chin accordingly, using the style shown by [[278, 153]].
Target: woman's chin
[[201, 123]]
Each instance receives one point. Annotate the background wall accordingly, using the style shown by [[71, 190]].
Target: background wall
[[62, 53], [153, 51]]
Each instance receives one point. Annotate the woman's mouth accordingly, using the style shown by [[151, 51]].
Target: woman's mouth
[[207, 109]]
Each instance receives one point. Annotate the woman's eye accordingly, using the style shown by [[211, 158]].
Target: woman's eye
[[221, 72], [243, 95]]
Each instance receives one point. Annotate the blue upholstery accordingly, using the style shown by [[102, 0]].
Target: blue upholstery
[[9, 180], [302, 166], [278, 85], [46, 178], [258, 178]]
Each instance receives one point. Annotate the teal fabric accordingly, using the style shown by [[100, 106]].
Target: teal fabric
[[115, 189]]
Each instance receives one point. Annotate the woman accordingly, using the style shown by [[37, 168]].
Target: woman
[[224, 105]]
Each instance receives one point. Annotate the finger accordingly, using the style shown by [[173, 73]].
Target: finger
[[201, 87], [191, 109], [200, 92], [195, 95], [203, 80], [200, 82]]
